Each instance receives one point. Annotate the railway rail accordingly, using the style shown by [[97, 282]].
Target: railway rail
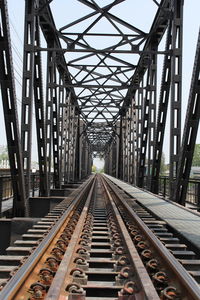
[[99, 244]]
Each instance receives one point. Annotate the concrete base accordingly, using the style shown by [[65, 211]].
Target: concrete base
[[70, 185], [40, 206], [61, 192], [5, 229], [12, 229], [20, 226]]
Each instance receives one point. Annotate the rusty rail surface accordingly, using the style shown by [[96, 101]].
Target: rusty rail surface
[[100, 244], [73, 280], [186, 286], [28, 271]]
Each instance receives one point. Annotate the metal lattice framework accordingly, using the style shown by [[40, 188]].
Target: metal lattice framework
[[100, 96]]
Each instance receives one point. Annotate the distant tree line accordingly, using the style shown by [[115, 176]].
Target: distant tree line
[[196, 156]]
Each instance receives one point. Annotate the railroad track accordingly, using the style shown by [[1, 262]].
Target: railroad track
[[182, 250], [99, 244]]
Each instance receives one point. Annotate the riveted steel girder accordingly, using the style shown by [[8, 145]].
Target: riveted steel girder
[[10, 115], [190, 132]]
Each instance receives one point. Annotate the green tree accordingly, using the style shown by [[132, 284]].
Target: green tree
[[101, 170], [196, 156], [94, 169], [3, 154], [163, 166]]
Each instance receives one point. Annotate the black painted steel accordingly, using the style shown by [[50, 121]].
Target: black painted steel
[[27, 88], [176, 90], [162, 115], [190, 132], [99, 103], [10, 114], [39, 115]]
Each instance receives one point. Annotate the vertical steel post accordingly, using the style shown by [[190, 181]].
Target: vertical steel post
[[139, 107], [83, 158], [80, 147], [152, 115], [67, 140], [77, 151], [114, 158], [176, 90], [198, 197], [52, 118], [65, 134], [162, 114], [125, 148], [49, 111], [1, 195], [55, 130], [190, 132], [10, 114], [117, 128], [27, 89], [120, 150], [61, 109], [144, 133], [129, 141], [39, 115], [133, 142], [72, 142]]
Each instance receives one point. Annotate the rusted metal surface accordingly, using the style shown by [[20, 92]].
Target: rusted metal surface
[[56, 289], [148, 290], [128, 276], [101, 249], [28, 272], [185, 283]]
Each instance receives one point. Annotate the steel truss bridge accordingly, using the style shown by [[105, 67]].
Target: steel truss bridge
[[100, 97]]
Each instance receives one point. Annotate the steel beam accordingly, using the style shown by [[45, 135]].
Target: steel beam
[[100, 51], [176, 90], [125, 147], [144, 133], [55, 126], [139, 112], [155, 35], [152, 117], [190, 132], [77, 151], [132, 140], [162, 115], [27, 88], [49, 110], [120, 150], [39, 115], [61, 110], [10, 115]]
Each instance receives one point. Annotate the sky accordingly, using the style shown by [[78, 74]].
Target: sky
[[67, 11]]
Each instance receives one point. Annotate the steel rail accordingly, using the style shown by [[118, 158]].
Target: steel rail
[[183, 276], [15, 283], [148, 288], [56, 287]]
